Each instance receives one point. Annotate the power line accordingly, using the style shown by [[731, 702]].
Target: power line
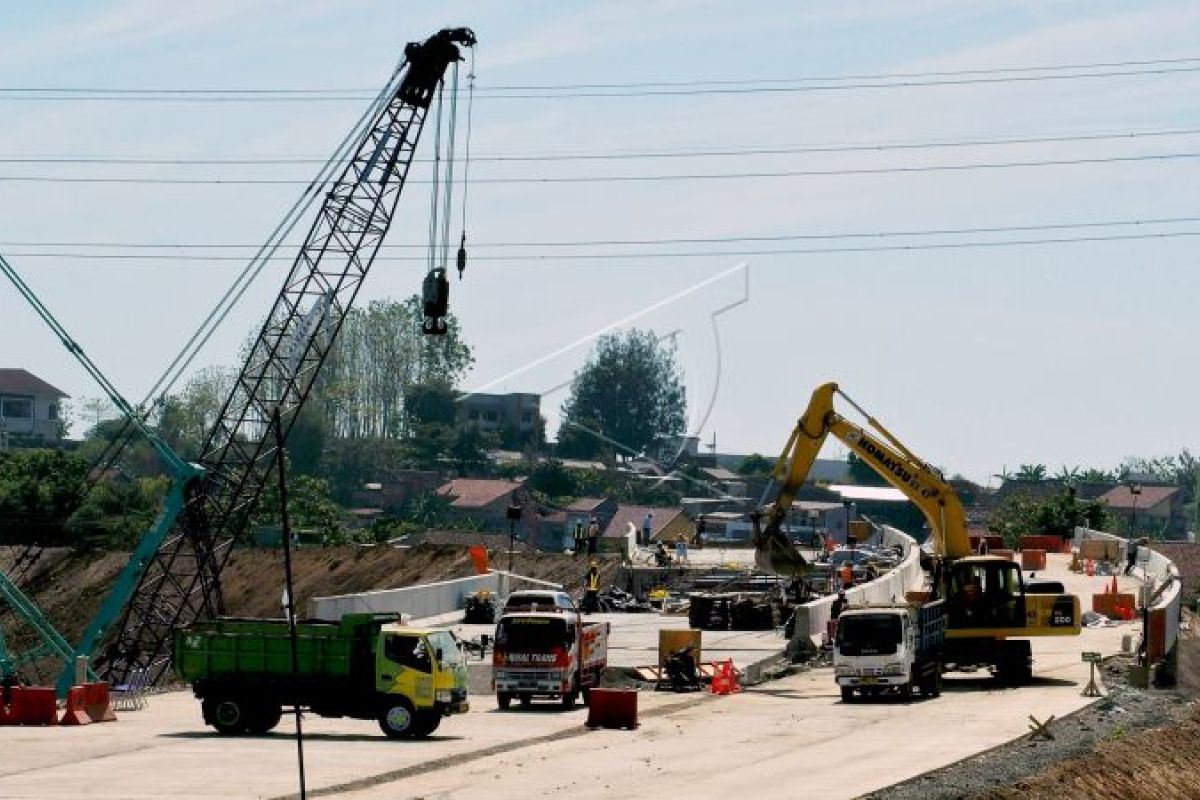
[[640, 88], [920, 246], [627, 155], [725, 239], [551, 179]]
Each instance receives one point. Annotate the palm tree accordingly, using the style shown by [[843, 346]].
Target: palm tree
[[1067, 474], [1031, 473]]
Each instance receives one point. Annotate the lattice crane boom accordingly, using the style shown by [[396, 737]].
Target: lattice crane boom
[[181, 580]]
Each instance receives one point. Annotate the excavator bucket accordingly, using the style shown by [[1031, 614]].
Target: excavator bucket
[[774, 552]]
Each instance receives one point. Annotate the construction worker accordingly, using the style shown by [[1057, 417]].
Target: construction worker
[[681, 550], [838, 606], [591, 588], [847, 575], [580, 537], [647, 528], [593, 535], [1131, 550]]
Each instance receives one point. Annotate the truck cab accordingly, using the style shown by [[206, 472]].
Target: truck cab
[[425, 667], [891, 649], [551, 654]]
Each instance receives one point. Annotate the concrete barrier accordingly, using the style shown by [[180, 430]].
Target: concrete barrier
[[416, 602], [812, 618], [1165, 591]]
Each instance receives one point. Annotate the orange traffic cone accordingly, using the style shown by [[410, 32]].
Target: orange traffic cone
[[731, 672]]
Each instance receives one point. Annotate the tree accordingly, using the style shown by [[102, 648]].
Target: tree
[[755, 464], [1056, 516], [863, 473], [1030, 473], [378, 355], [552, 479], [630, 392]]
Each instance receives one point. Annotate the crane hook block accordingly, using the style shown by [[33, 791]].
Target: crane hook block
[[462, 256], [435, 297]]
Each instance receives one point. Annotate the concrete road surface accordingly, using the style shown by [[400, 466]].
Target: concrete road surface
[[788, 738]]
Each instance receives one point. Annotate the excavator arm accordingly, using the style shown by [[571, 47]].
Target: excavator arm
[[885, 454]]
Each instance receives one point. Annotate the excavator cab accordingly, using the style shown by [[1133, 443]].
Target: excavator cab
[[983, 592]]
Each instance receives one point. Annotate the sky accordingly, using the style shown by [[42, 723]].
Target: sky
[[980, 358]]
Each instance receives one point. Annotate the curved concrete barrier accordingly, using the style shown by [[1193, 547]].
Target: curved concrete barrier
[[812, 618], [1163, 595]]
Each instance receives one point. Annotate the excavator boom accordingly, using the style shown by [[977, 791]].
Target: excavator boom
[[920, 482]]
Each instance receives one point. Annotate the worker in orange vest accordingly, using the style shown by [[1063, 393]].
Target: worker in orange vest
[[847, 574]]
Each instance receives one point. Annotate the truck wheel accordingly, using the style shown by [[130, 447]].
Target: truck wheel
[[847, 694], [397, 720], [526, 700], [906, 691], [227, 714], [263, 718], [503, 699], [426, 723], [569, 698]]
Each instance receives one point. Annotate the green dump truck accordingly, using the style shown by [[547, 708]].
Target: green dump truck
[[364, 666]]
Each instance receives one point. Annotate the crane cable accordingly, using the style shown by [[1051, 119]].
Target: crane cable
[[246, 277], [461, 260]]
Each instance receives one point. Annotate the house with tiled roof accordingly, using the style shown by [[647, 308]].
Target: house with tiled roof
[[484, 502], [29, 407], [666, 524], [1155, 508]]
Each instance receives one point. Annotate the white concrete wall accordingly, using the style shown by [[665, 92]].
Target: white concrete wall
[[416, 602], [1159, 570], [887, 588]]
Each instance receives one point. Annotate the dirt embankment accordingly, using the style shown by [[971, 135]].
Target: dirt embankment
[[69, 586], [1132, 743]]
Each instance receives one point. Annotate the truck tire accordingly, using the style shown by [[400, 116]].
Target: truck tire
[[526, 700], [503, 700], [397, 719], [263, 717], [427, 722], [847, 694], [906, 689], [227, 713], [1013, 667], [569, 697]]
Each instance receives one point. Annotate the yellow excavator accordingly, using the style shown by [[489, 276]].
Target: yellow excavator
[[988, 604]]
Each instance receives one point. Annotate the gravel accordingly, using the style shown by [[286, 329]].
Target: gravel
[[1123, 711]]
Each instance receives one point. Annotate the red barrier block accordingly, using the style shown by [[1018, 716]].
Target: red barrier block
[[97, 701], [612, 708], [1033, 559], [34, 705], [74, 713]]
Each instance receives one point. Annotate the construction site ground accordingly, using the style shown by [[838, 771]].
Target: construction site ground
[[785, 738]]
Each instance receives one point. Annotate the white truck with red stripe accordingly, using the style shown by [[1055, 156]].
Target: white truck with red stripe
[[550, 654]]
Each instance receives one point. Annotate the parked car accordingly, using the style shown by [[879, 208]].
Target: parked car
[[539, 600]]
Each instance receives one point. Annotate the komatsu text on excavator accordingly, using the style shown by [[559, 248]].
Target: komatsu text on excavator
[[988, 605]]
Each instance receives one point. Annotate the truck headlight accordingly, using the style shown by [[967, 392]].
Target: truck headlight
[[442, 695]]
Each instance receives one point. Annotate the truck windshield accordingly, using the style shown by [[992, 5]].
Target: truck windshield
[[868, 635], [444, 642], [533, 634]]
